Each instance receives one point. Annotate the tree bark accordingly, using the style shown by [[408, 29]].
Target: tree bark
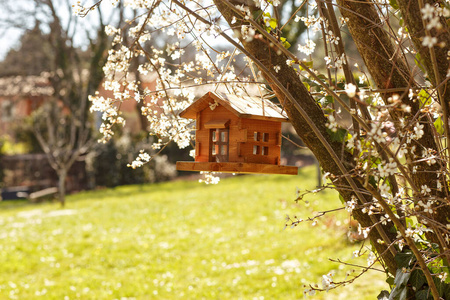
[[413, 19], [62, 175], [389, 70]]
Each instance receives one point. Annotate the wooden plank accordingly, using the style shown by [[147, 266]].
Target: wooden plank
[[217, 124], [241, 135], [198, 121], [232, 152], [231, 167], [279, 136], [198, 146], [43, 193]]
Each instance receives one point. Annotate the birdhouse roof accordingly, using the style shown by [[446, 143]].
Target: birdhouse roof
[[242, 106]]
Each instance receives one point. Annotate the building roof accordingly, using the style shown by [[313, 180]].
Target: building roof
[[242, 106]]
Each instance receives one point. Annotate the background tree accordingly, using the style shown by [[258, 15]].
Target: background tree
[[32, 57], [390, 166], [63, 126]]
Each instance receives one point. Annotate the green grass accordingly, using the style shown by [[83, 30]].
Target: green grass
[[179, 240]]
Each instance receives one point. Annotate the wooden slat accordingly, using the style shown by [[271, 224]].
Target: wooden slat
[[198, 146], [230, 167], [241, 135], [217, 124], [198, 121], [43, 193]]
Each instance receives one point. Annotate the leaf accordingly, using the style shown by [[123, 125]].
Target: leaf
[[324, 101], [339, 135], [403, 293], [375, 161], [401, 278], [348, 137], [341, 198], [422, 295], [409, 222], [419, 62], [329, 99], [417, 279], [373, 182], [447, 292], [273, 23], [285, 43], [404, 259], [393, 229], [307, 86], [400, 290], [322, 77], [308, 64], [390, 281], [398, 293], [440, 285], [394, 4], [384, 295], [439, 125], [424, 97]]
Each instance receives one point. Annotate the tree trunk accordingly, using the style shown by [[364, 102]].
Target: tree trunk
[[389, 70], [62, 175]]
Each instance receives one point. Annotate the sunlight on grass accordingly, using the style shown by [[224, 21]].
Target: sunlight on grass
[[179, 240]]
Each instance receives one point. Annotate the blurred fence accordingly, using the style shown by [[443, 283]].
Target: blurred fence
[[34, 172]]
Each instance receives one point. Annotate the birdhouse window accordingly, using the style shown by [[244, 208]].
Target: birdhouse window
[[255, 150], [223, 136], [223, 150], [260, 138], [219, 145]]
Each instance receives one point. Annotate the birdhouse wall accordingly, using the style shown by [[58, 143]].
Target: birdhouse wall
[[263, 141], [250, 140], [203, 138]]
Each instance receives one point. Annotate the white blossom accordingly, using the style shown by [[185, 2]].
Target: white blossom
[[308, 48], [429, 41], [327, 282], [350, 89], [332, 125]]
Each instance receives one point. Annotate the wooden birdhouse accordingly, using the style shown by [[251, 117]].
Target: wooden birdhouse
[[236, 135]]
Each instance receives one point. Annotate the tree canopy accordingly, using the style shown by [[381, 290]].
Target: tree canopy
[[32, 56]]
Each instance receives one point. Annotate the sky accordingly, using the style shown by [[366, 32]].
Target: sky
[[8, 40], [9, 37]]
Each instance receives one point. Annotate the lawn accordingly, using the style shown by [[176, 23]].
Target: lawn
[[179, 240]]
